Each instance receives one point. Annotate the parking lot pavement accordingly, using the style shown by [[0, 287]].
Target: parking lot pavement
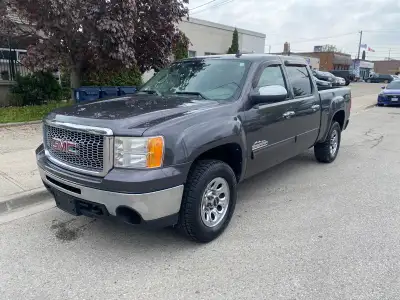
[[301, 230]]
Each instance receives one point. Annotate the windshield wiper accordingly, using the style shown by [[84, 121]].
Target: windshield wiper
[[192, 93], [151, 92]]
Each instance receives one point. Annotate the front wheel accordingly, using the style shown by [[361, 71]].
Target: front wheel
[[209, 200], [327, 151]]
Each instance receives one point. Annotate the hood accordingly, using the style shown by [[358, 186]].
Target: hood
[[133, 114], [391, 92]]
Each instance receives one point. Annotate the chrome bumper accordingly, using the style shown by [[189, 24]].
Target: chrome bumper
[[150, 206]]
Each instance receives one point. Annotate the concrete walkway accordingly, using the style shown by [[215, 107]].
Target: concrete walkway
[[18, 172]]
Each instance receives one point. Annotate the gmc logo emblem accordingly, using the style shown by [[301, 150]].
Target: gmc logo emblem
[[64, 146]]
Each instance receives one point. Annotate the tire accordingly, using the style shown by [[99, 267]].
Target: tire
[[322, 151], [379, 104], [196, 222]]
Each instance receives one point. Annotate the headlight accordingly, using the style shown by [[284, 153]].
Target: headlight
[[138, 152]]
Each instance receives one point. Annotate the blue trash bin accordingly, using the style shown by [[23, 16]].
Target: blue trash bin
[[108, 91], [87, 93], [127, 90]]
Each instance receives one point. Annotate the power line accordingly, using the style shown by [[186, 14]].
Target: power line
[[213, 6], [204, 4]]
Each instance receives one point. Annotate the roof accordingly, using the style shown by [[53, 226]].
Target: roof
[[255, 57], [223, 27]]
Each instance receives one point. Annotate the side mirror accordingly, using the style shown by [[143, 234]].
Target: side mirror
[[269, 94], [383, 87]]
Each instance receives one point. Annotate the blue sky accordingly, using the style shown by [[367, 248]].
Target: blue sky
[[305, 23]]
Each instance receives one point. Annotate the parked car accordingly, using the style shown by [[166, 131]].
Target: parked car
[[346, 74], [327, 76], [322, 83], [381, 78], [390, 94], [324, 76], [174, 152], [340, 81]]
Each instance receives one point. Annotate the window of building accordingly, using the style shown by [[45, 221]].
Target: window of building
[[210, 53], [300, 79], [271, 75], [192, 53]]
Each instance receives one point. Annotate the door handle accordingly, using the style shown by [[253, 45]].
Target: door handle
[[315, 107], [288, 114]]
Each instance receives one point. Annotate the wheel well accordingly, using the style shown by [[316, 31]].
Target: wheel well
[[230, 154], [339, 117]]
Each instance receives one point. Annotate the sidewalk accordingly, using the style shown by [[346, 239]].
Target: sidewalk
[[19, 177], [18, 171]]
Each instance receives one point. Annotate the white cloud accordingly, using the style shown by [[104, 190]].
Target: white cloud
[[297, 21]]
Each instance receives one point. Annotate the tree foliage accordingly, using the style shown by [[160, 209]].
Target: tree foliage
[[234, 48], [96, 34], [330, 48], [181, 46]]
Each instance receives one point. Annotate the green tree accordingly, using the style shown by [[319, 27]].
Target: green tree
[[180, 46], [234, 48]]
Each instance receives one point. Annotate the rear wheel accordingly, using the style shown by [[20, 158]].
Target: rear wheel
[[209, 200], [327, 151]]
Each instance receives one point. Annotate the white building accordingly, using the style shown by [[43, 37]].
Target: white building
[[208, 38]]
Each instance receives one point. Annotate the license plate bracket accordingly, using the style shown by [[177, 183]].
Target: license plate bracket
[[66, 203]]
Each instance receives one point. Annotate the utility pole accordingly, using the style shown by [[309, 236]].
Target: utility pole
[[359, 45], [389, 52], [269, 51]]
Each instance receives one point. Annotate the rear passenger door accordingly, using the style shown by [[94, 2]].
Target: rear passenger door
[[307, 106]]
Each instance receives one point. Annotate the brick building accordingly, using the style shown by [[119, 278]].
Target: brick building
[[329, 61], [387, 66]]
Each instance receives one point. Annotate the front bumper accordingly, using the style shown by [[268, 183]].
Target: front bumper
[[150, 205]]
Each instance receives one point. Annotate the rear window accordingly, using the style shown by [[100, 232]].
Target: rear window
[[300, 79]]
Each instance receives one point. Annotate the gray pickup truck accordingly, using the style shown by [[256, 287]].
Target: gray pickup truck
[[173, 153]]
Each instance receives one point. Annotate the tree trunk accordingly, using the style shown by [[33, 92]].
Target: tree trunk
[[75, 81]]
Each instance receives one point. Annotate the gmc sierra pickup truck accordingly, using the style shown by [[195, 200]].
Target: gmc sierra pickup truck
[[173, 153]]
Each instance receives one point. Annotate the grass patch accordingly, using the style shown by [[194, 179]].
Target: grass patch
[[28, 113]]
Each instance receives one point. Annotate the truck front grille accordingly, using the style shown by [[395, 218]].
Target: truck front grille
[[74, 148]]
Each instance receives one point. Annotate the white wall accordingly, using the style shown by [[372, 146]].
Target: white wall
[[217, 38]]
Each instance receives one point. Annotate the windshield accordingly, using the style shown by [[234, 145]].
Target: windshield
[[394, 85], [211, 79]]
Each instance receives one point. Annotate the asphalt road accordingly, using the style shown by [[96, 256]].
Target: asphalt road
[[301, 230], [359, 89]]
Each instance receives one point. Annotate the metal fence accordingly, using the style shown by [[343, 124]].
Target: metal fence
[[10, 64]]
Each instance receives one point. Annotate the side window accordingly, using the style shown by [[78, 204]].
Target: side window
[[300, 79], [271, 75]]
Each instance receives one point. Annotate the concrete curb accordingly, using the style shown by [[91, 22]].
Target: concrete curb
[[20, 124], [10, 203]]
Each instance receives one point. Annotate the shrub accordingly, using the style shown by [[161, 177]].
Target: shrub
[[36, 88]]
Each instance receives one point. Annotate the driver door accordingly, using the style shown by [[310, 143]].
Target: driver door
[[268, 127]]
